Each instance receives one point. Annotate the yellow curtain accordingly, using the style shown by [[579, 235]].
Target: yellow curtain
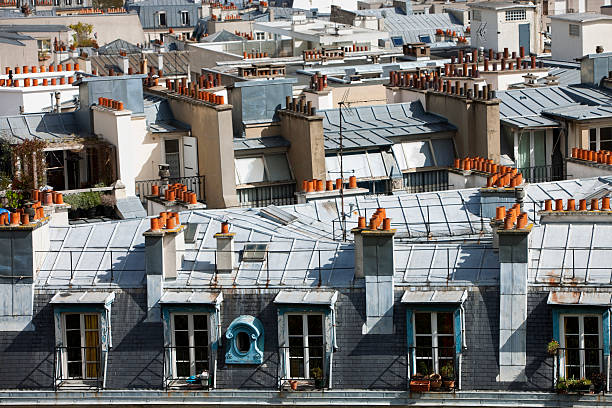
[[92, 341]]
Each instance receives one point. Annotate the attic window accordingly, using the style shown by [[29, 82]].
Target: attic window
[[255, 252], [397, 41], [516, 15], [574, 30]]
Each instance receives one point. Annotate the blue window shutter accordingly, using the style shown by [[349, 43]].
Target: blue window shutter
[[605, 321], [555, 317], [458, 328], [409, 328]]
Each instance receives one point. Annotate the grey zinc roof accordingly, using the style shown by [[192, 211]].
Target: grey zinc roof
[[308, 252], [130, 207], [260, 143], [160, 118], [52, 127], [580, 112], [500, 5], [524, 108], [34, 28], [410, 27], [566, 75], [582, 17], [368, 126], [222, 36]]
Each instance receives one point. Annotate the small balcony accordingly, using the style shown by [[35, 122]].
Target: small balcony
[[580, 370], [187, 368], [195, 184], [302, 368], [78, 368], [266, 194], [432, 369]]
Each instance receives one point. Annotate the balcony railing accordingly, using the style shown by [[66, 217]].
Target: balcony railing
[[302, 367], [424, 361], [262, 196], [541, 174], [579, 363], [179, 362], [194, 184], [78, 367]]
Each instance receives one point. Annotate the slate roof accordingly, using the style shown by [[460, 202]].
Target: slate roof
[[160, 118], [260, 143], [582, 17], [222, 36], [307, 250], [580, 112], [525, 108], [175, 62], [114, 47], [130, 208], [368, 126], [52, 127]]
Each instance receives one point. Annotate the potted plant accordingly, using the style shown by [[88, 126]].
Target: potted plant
[[108, 204], [561, 386], [92, 200], [418, 383], [580, 386], [553, 347], [599, 382], [448, 375], [76, 203], [317, 374], [435, 381]]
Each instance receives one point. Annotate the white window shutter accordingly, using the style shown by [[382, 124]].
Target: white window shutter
[[190, 156]]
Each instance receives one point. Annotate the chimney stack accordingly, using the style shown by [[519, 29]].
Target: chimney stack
[[225, 249]]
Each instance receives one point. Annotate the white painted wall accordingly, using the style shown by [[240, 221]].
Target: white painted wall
[[34, 98], [137, 150], [579, 170], [567, 47], [499, 33]]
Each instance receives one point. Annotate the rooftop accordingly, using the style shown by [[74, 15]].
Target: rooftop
[[52, 127], [581, 17], [500, 5], [368, 126]]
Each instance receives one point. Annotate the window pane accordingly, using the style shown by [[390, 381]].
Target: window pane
[[91, 339], [181, 322], [591, 341], [571, 325], [418, 154], [74, 353], [243, 343], [171, 145], [200, 322], [605, 138], [315, 324], [74, 370], [376, 164], [278, 167], [424, 367], [573, 372], [73, 338], [201, 353], [250, 170], [572, 357], [91, 322], [423, 345], [591, 357], [181, 338], [201, 366], [446, 346], [73, 321], [572, 342], [593, 138], [296, 346], [296, 367], [358, 163], [182, 369], [445, 323], [332, 167], [591, 325], [295, 325], [398, 153], [422, 323]]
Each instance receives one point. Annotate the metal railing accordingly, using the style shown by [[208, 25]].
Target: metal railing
[[194, 184], [426, 181], [423, 361], [540, 174], [78, 367], [193, 358], [262, 196], [308, 359], [578, 363]]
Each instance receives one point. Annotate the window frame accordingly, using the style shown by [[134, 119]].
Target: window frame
[[267, 172], [185, 20], [574, 30], [516, 15], [305, 345], [580, 316], [191, 337], [434, 335], [179, 153], [595, 132], [82, 330], [159, 23]]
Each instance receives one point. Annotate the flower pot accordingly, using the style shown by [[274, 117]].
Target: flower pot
[[450, 384], [293, 384], [91, 212], [435, 384], [107, 211], [419, 385]]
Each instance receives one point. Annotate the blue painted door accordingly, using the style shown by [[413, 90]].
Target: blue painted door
[[524, 37]]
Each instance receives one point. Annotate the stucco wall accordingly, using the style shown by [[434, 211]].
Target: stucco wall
[[19, 55], [107, 27]]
